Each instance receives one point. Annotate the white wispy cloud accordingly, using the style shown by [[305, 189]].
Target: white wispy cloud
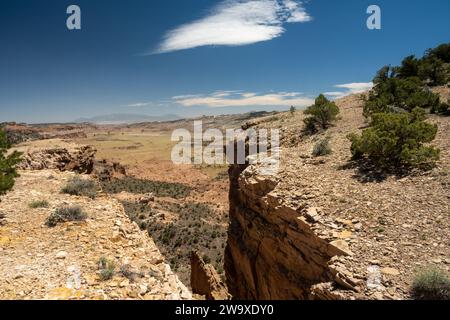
[[356, 87], [185, 96], [140, 104], [350, 88], [236, 22], [158, 103], [220, 99]]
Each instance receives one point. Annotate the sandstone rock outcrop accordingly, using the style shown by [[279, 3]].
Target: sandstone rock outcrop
[[75, 158], [17, 133], [105, 171], [272, 252], [80, 160], [205, 281], [21, 132]]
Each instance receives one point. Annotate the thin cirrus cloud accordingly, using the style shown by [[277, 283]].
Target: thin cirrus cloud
[[139, 104], [350, 88], [236, 23], [146, 104], [221, 99]]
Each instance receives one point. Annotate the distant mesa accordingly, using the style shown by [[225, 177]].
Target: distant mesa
[[125, 118]]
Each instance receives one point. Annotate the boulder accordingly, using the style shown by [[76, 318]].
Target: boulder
[[105, 171]]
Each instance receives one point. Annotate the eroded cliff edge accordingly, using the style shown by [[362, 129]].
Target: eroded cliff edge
[[323, 228], [63, 262], [272, 251]]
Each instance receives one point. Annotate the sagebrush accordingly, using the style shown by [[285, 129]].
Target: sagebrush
[[106, 268], [65, 214], [80, 187], [431, 284], [322, 148], [38, 204], [141, 186]]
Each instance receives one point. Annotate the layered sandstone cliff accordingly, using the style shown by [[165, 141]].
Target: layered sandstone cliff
[[324, 228], [272, 251]]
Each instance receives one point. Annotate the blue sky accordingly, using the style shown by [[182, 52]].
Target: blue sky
[[199, 57]]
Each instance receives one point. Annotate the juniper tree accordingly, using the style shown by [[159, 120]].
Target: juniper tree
[[292, 110], [396, 141], [393, 94], [321, 114], [441, 52], [8, 164]]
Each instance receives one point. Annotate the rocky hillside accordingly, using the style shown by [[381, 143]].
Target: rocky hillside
[[65, 261], [21, 132], [321, 228], [324, 228]]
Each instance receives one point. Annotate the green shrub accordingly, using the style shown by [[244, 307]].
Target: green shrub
[[322, 148], [396, 141], [140, 186], [38, 204], [80, 187], [106, 269], [168, 234], [310, 126], [178, 227], [433, 71], [321, 114], [292, 110], [409, 68], [395, 95], [441, 52], [406, 87], [65, 214], [206, 259], [8, 163], [431, 284], [442, 108]]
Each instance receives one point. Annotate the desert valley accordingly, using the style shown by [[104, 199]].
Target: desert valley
[[228, 157], [322, 228]]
